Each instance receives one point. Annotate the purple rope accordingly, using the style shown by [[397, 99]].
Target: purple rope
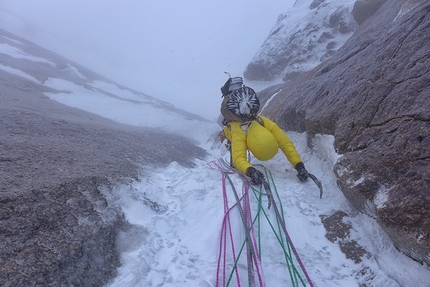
[[289, 239], [252, 252], [253, 257], [245, 210], [231, 234], [223, 240]]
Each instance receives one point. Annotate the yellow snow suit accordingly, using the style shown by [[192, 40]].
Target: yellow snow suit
[[263, 142]]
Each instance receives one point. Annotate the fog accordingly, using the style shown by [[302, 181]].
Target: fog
[[176, 51]]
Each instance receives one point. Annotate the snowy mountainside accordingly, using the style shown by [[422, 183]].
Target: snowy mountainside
[[178, 246], [306, 35], [73, 85]]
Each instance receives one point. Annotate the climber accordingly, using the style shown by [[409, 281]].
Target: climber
[[245, 130]]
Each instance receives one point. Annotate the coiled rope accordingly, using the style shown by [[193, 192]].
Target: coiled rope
[[229, 259]]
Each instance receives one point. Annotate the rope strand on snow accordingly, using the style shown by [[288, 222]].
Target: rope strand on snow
[[252, 243], [253, 259], [281, 219]]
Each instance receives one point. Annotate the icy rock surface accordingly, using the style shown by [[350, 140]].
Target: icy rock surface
[[306, 35], [372, 95]]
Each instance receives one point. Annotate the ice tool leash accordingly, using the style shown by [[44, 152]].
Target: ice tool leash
[[234, 267]]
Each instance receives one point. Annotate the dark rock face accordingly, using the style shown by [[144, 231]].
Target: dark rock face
[[56, 166], [373, 96], [339, 231], [363, 9]]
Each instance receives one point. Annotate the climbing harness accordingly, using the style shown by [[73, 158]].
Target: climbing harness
[[232, 266]]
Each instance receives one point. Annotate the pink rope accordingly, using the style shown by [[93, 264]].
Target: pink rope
[[227, 212], [223, 238], [253, 256], [254, 264]]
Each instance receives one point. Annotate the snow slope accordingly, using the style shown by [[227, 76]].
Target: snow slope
[[81, 89], [180, 247]]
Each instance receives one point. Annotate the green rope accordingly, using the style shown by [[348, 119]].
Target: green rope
[[294, 273], [287, 248], [247, 238], [243, 221]]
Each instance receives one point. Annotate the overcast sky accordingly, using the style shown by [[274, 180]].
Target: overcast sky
[[174, 50]]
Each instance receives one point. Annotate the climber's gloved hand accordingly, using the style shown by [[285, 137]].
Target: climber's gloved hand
[[257, 177], [302, 173]]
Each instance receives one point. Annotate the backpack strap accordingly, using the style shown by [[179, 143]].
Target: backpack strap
[[246, 125]]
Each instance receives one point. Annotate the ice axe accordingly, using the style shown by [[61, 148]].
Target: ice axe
[[317, 182], [258, 178], [269, 193]]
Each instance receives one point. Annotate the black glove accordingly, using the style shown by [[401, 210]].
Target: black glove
[[302, 173], [257, 177]]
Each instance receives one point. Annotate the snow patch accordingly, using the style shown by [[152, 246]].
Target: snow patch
[[419, 237], [324, 146], [125, 94], [382, 254], [270, 99], [74, 72], [101, 97], [381, 197], [13, 40], [19, 73], [357, 182], [341, 171], [408, 6], [14, 52]]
